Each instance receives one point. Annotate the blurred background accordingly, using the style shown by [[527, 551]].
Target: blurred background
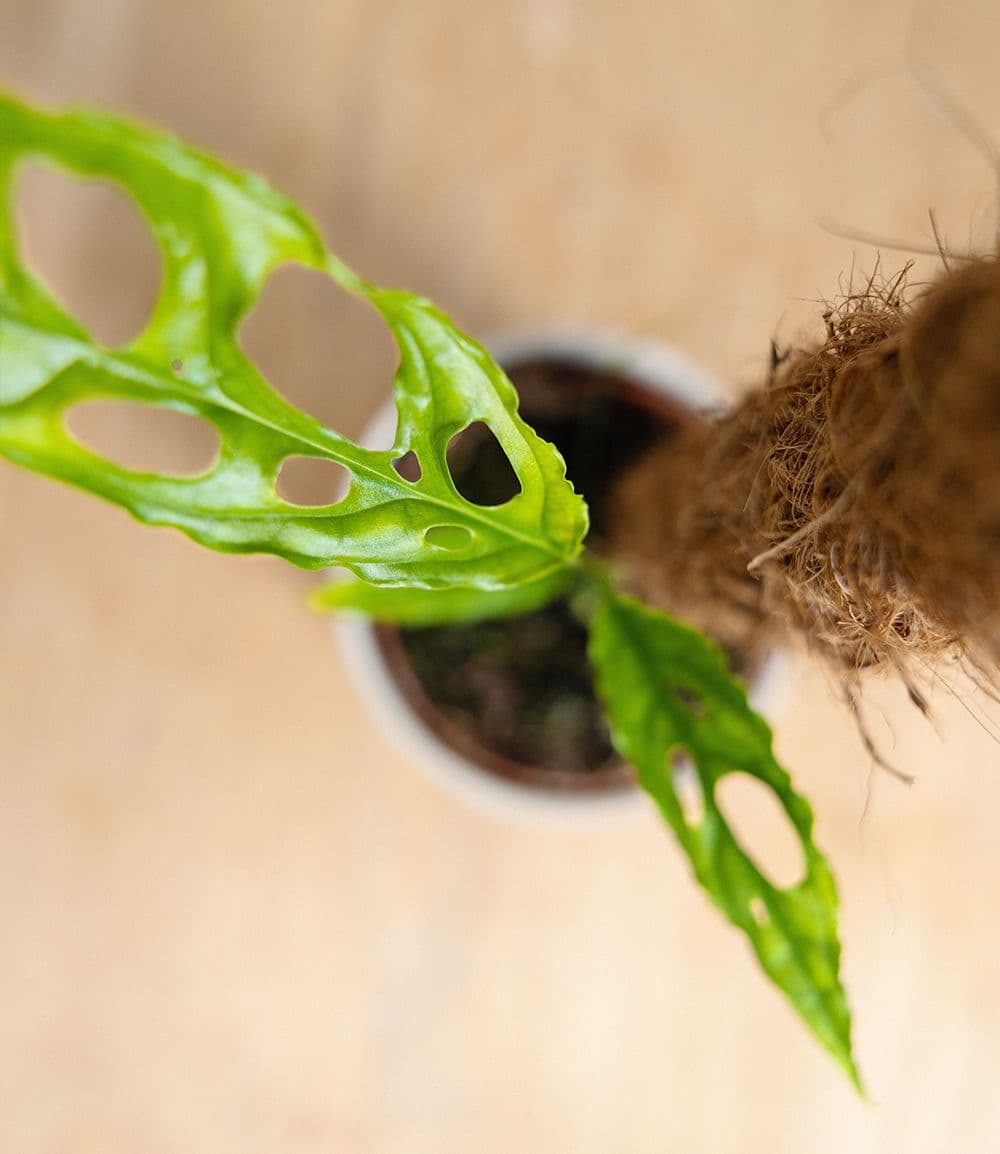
[[234, 918]]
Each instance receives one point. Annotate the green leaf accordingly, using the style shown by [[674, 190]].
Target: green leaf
[[416, 608], [221, 234], [674, 709]]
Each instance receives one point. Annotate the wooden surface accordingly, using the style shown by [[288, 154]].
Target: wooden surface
[[234, 919]]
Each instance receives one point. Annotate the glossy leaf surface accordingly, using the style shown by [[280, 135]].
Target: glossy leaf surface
[[221, 234], [415, 608], [683, 721]]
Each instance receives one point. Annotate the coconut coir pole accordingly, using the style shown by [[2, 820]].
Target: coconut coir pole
[[856, 496]]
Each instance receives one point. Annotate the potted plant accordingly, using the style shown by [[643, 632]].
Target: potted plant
[[421, 551], [502, 711]]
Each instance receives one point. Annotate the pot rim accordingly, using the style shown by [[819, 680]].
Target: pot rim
[[666, 371]]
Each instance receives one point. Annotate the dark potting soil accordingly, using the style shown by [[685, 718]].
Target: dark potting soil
[[517, 695]]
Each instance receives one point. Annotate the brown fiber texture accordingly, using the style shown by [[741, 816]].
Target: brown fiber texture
[[856, 496]]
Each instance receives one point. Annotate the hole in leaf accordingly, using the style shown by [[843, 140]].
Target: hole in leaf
[[448, 536], [408, 466], [89, 244], [758, 911], [312, 481], [687, 785], [691, 700], [145, 438], [480, 467], [327, 352], [761, 826]]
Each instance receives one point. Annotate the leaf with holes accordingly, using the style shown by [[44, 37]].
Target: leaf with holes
[[683, 721], [222, 233]]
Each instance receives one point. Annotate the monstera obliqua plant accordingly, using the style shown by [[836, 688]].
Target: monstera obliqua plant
[[420, 552]]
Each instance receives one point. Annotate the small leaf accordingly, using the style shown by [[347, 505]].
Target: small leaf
[[416, 608], [221, 233], [680, 718]]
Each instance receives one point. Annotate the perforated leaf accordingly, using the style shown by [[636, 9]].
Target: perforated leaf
[[221, 234], [683, 722]]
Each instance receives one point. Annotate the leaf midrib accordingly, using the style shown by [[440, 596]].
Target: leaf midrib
[[125, 366]]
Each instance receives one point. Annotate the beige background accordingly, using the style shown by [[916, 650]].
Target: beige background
[[234, 919]]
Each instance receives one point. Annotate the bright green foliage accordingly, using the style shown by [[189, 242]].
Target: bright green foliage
[[221, 234], [414, 608], [429, 555], [674, 709]]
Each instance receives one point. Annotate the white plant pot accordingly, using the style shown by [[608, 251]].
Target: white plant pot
[[665, 371]]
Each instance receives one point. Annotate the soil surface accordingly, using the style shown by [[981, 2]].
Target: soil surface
[[517, 695]]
